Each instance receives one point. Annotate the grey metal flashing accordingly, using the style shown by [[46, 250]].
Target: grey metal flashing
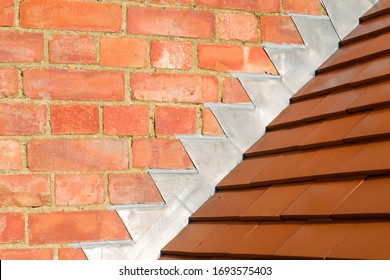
[[135, 206], [87, 245], [172, 171], [253, 76]]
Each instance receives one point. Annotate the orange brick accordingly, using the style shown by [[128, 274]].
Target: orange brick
[[133, 189], [234, 58], [22, 118], [173, 2], [72, 48], [233, 92], [10, 155], [171, 55], [170, 22], [302, 7], [265, 6], [77, 154], [26, 254], [7, 12], [80, 189], [160, 153], [18, 46], [80, 226], [125, 52], [126, 120], [9, 82], [211, 125], [174, 88], [175, 120], [238, 27], [71, 15], [279, 29], [11, 227], [73, 119], [73, 84], [71, 254], [24, 190]]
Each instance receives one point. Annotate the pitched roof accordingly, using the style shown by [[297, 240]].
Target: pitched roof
[[317, 184]]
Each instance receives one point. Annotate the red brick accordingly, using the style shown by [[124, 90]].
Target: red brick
[[7, 12], [238, 27], [26, 254], [9, 82], [73, 84], [18, 46], [175, 120], [174, 88], [234, 58], [22, 118], [211, 125], [170, 22], [73, 119], [133, 189], [71, 15], [71, 254], [265, 6], [160, 153], [233, 91], [126, 120], [173, 2], [81, 226], [77, 154], [80, 189], [125, 52], [11, 227], [171, 55], [10, 155], [279, 29], [24, 190], [72, 48], [302, 7]]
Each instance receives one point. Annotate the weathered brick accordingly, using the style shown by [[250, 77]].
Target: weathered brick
[[174, 88], [24, 190], [279, 29], [160, 153], [238, 27], [72, 48], [126, 120], [173, 2], [9, 82], [73, 84], [76, 226], [26, 254], [77, 154], [133, 189], [170, 22], [234, 58], [171, 55], [11, 227], [302, 7], [211, 125], [71, 15], [265, 6], [22, 118], [75, 119], [79, 189], [175, 120], [125, 52], [7, 12], [233, 92], [10, 155], [18, 46], [71, 254]]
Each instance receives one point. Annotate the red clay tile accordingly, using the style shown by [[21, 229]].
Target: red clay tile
[[380, 8], [374, 96], [227, 205], [377, 70], [273, 202], [368, 240], [320, 199], [314, 240]]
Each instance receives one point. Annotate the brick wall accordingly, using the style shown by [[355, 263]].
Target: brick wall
[[94, 92]]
